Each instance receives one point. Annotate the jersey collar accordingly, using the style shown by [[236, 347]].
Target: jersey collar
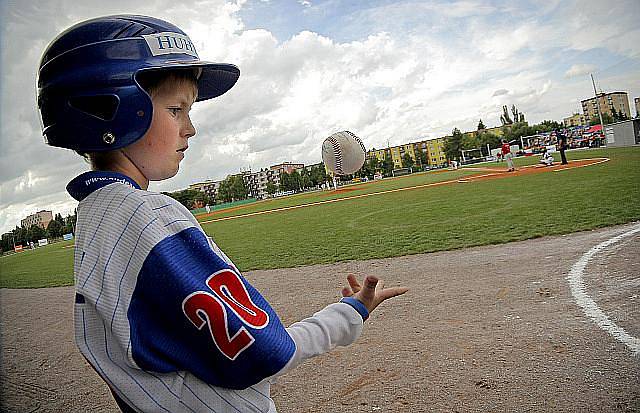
[[81, 186]]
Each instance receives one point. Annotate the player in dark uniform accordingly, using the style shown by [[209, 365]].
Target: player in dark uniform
[[562, 145]]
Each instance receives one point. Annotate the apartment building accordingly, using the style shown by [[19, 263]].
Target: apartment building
[[208, 187], [608, 102], [287, 167], [40, 218], [435, 152], [256, 182], [434, 148], [577, 119]]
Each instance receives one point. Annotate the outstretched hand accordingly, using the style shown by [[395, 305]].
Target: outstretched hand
[[373, 291]]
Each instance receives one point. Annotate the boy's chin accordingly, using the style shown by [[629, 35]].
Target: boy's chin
[[165, 175]]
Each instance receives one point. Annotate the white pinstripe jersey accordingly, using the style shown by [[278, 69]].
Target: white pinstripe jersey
[[167, 320]]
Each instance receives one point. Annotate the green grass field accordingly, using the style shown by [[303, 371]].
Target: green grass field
[[400, 223], [49, 266]]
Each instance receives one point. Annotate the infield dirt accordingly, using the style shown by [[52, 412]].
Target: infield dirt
[[483, 329]]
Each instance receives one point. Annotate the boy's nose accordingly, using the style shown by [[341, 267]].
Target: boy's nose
[[189, 129]]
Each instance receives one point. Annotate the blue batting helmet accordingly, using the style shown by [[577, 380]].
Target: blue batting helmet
[[88, 95]]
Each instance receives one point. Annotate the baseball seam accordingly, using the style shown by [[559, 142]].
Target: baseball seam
[[364, 150], [338, 155]]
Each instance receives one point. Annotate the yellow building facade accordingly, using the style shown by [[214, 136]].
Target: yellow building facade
[[433, 148], [577, 119]]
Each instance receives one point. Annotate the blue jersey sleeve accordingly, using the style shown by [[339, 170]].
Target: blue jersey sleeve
[[192, 311]]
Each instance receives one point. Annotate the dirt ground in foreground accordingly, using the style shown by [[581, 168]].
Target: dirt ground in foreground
[[487, 329]]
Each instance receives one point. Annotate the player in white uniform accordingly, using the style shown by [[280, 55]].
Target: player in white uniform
[[546, 159], [161, 313]]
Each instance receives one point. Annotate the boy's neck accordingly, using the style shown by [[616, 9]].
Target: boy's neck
[[122, 164]]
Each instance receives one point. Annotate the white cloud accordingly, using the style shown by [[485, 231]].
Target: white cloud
[[409, 69], [500, 92], [579, 70]]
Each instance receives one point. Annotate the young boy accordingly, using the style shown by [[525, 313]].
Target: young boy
[[161, 313]]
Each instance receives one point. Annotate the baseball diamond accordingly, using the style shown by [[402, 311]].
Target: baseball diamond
[[509, 338]]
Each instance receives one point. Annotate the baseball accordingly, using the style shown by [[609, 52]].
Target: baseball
[[343, 153]]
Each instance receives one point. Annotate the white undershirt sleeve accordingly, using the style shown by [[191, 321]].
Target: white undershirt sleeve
[[338, 324]]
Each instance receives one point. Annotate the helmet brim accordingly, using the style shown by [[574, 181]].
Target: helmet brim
[[214, 80]]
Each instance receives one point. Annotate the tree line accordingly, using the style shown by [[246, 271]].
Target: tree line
[[234, 188], [58, 226], [299, 179]]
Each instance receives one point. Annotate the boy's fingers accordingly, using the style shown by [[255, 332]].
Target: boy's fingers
[[353, 283], [346, 292], [369, 290], [392, 292]]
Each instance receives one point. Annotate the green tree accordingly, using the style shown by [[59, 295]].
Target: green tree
[[186, 197], [518, 117], [271, 188], [55, 228], [224, 191], [423, 158], [285, 182], [453, 145], [469, 141], [606, 118], [490, 139], [35, 233], [481, 125], [368, 167], [547, 126], [387, 165], [70, 223], [305, 178], [505, 118], [239, 189], [407, 161], [296, 180], [318, 174]]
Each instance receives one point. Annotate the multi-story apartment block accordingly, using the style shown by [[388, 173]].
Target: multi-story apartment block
[[433, 148], [208, 187], [435, 151], [618, 101], [577, 119], [287, 167], [40, 218], [257, 182], [380, 154]]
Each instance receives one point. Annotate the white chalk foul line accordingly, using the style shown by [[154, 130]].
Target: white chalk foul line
[[600, 160], [589, 306]]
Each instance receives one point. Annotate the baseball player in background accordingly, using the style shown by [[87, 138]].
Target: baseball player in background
[[507, 155], [161, 313]]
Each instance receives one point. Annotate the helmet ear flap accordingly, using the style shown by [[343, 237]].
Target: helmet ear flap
[[99, 122]]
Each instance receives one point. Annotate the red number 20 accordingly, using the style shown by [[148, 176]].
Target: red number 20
[[203, 308]]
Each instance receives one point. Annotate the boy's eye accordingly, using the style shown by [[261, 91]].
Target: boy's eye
[[174, 111]]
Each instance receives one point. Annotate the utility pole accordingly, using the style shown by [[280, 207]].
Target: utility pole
[[597, 102]]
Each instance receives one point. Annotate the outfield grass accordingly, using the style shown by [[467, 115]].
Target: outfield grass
[[400, 223], [442, 217], [421, 178], [48, 266]]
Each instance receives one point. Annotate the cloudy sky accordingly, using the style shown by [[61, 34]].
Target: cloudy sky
[[389, 71]]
